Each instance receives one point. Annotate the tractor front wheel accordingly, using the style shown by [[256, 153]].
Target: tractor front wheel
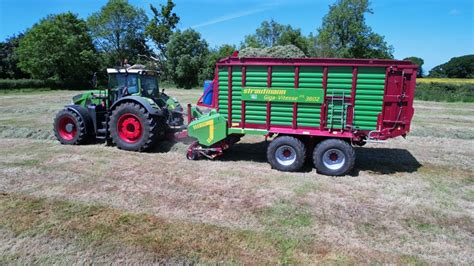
[[69, 128], [133, 128]]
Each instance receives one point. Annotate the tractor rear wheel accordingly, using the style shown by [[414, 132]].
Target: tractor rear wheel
[[333, 157], [286, 153], [132, 128], [69, 128]]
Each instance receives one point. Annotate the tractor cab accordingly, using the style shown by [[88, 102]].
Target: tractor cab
[[137, 81], [133, 81]]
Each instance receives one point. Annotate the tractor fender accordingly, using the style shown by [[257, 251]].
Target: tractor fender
[[85, 116], [142, 101]]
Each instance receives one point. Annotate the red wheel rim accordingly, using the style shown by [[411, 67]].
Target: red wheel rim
[[67, 128], [129, 128], [333, 156]]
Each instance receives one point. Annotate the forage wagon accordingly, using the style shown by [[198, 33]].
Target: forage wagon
[[324, 106]]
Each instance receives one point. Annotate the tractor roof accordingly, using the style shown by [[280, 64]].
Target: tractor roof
[[135, 69]]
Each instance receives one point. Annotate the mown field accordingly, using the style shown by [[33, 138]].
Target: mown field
[[407, 202]]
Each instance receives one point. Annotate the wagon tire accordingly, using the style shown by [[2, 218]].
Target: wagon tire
[[70, 128], [132, 128], [334, 157], [286, 154]]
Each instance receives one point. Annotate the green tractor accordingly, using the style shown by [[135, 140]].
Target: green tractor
[[131, 113]]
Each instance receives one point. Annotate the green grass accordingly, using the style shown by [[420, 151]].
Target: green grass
[[25, 91], [286, 214], [424, 227], [103, 227], [445, 92], [306, 188], [445, 80], [412, 261]]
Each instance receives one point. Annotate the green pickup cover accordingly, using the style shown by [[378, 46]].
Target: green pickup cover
[[208, 129]]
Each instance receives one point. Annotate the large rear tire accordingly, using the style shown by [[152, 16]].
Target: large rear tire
[[286, 154], [69, 128], [333, 157], [132, 128]]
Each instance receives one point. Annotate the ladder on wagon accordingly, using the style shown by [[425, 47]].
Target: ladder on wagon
[[338, 108]]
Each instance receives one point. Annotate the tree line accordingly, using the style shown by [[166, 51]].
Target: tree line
[[67, 49]]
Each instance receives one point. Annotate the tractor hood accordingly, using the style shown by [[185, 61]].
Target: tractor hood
[[88, 97]]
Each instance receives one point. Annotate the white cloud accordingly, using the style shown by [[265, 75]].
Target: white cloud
[[234, 16]]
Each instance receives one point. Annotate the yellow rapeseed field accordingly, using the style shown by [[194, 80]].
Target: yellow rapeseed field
[[445, 80]]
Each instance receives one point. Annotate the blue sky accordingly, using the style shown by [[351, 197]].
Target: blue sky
[[434, 30]]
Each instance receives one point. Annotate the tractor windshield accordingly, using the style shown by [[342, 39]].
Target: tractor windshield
[[120, 81], [149, 85]]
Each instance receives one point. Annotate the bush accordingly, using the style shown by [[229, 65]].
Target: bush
[[445, 92], [28, 83]]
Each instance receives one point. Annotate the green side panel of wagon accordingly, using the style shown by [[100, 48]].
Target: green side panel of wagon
[[256, 112], [308, 114], [339, 84], [281, 113], [369, 97], [236, 94], [223, 83]]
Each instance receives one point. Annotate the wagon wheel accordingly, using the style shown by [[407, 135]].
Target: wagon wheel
[[334, 157], [286, 153]]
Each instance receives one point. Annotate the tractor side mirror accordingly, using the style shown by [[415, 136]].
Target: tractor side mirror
[[94, 80]]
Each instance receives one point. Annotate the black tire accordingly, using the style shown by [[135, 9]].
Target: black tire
[[296, 154], [69, 128], [132, 128], [333, 157]]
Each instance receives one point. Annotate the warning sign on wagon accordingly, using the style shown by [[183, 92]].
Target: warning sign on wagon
[[283, 95]]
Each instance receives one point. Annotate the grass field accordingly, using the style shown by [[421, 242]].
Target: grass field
[[445, 81], [407, 202]]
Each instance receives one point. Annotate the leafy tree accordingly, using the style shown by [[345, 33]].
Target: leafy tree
[[161, 26], [186, 52], [251, 41], [417, 61], [118, 30], [294, 37], [344, 33], [160, 29], [214, 55], [271, 33], [456, 67], [58, 48], [9, 58]]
